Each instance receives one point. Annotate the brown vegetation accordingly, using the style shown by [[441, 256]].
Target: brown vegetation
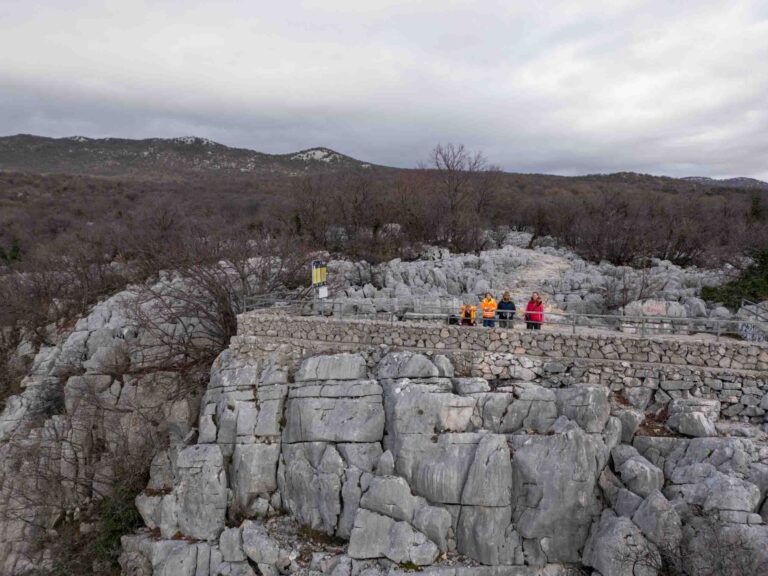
[[66, 241], [709, 548], [377, 213]]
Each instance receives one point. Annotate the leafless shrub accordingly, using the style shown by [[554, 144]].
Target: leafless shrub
[[56, 285], [12, 367], [709, 548], [631, 285], [70, 478], [71, 491], [189, 317]]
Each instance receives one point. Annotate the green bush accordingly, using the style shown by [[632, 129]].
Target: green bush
[[117, 516], [752, 285], [95, 552], [13, 254]]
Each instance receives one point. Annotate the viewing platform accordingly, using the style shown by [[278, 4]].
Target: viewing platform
[[731, 371]]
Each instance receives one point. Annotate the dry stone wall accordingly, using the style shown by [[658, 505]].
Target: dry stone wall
[[643, 370]]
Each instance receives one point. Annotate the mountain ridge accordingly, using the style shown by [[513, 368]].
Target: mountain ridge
[[81, 155], [738, 182], [185, 154]]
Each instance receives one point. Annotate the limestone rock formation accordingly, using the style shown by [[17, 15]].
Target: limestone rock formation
[[408, 464], [443, 281], [381, 459], [96, 404], [618, 548]]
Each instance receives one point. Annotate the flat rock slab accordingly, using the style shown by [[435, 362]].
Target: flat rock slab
[[334, 367], [406, 365], [377, 536], [334, 419]]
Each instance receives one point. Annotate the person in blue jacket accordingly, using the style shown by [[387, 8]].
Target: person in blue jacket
[[506, 311]]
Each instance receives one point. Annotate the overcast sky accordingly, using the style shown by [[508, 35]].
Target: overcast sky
[[659, 86]]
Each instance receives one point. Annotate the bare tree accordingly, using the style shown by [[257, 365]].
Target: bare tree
[[464, 188]]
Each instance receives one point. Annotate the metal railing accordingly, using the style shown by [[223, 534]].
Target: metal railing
[[348, 309], [758, 310], [261, 301]]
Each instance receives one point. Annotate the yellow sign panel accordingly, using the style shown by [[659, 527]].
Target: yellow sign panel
[[319, 273]]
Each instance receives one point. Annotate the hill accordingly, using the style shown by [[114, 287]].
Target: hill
[[191, 156], [157, 157], [746, 183]]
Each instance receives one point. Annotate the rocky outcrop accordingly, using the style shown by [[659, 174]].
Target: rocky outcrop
[[444, 280], [618, 548], [94, 408], [490, 452], [694, 416], [413, 465]]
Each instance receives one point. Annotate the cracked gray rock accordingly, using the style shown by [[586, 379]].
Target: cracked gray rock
[[616, 547], [635, 471], [333, 367], [659, 521], [587, 405], [554, 482], [377, 536], [406, 365]]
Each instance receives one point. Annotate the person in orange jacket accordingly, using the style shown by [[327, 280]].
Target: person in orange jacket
[[489, 306], [468, 313]]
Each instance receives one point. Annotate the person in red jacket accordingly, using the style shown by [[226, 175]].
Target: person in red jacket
[[534, 312]]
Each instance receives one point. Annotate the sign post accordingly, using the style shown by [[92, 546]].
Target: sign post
[[319, 278]]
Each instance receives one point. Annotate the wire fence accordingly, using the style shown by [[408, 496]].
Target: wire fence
[[642, 325]]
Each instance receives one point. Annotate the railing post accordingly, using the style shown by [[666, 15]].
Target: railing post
[[642, 327], [718, 330], [573, 323]]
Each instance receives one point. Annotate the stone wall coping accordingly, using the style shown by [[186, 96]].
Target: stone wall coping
[[538, 335], [338, 346]]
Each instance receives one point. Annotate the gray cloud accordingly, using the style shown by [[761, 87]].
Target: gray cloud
[[673, 88]]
